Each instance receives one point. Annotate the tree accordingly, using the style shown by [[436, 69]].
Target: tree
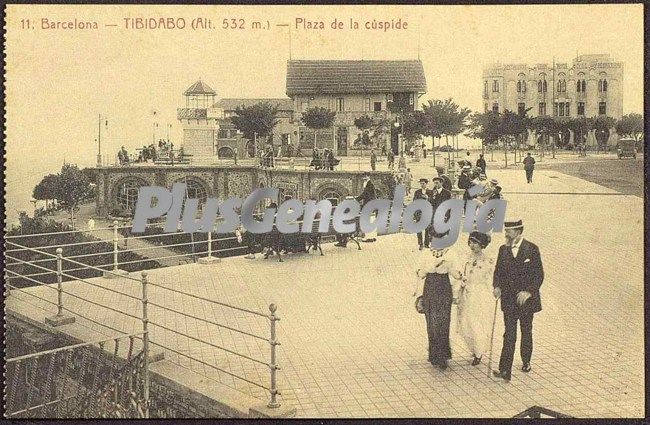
[[364, 123], [512, 127], [259, 119], [602, 124], [545, 127], [484, 126], [631, 125], [73, 188], [580, 128], [433, 122], [318, 118], [46, 189]]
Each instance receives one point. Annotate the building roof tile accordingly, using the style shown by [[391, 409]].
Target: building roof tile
[[199, 88], [342, 76]]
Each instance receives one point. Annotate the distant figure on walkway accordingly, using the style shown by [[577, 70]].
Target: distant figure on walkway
[[436, 299], [529, 166], [401, 164], [475, 297], [383, 150], [373, 159], [391, 159], [408, 180], [518, 276], [480, 163], [366, 196]]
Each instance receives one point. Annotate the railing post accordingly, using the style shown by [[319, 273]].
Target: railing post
[[60, 318], [115, 246], [273, 403], [116, 271], [145, 345], [209, 259]]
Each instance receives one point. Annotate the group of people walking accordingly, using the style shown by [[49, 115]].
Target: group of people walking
[[479, 283]]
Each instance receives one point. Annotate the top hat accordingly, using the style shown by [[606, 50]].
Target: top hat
[[513, 224]]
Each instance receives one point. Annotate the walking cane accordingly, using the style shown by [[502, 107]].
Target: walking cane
[[494, 321]]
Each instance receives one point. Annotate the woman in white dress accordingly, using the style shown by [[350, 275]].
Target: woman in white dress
[[475, 300]]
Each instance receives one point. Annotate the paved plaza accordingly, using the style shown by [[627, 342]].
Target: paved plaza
[[353, 345]]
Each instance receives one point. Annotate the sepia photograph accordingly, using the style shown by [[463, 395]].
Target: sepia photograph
[[324, 211]]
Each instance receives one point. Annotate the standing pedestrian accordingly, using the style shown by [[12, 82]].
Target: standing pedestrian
[[480, 163], [422, 193], [391, 159], [408, 178], [373, 159], [518, 276], [475, 298], [436, 300], [529, 166], [401, 165]]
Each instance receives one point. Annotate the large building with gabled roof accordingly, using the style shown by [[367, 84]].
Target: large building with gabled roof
[[380, 89]]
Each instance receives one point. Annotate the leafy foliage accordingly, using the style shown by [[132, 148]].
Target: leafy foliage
[[260, 118], [73, 187], [318, 118], [630, 125], [364, 123]]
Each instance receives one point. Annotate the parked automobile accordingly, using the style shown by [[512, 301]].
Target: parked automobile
[[626, 148]]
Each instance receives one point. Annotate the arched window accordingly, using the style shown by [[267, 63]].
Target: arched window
[[127, 193], [523, 86], [545, 86], [539, 86], [578, 86], [196, 190], [225, 152], [584, 86], [333, 196], [518, 86], [604, 85]]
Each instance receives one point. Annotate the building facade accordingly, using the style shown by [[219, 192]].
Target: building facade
[[591, 86], [378, 89], [118, 187]]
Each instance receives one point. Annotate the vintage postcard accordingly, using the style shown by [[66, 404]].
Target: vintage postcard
[[319, 211]]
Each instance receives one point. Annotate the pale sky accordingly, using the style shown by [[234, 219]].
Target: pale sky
[[58, 81]]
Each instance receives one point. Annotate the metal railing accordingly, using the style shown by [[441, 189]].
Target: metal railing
[[72, 381], [112, 270]]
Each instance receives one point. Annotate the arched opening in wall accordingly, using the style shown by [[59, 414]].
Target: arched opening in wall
[[250, 148], [331, 195], [126, 193], [225, 152], [195, 189]]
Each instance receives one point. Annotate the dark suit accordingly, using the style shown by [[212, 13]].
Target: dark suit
[[436, 200], [427, 195], [513, 275], [366, 196]]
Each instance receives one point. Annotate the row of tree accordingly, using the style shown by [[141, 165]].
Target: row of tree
[[445, 118]]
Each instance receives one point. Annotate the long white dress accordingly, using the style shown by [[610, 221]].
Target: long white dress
[[476, 303]]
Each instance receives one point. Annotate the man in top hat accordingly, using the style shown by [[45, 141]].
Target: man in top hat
[[518, 276], [423, 193]]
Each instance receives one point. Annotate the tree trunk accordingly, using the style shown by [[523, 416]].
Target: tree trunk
[[433, 150], [505, 152], [448, 152]]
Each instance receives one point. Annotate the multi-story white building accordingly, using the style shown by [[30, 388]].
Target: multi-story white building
[[591, 86]]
